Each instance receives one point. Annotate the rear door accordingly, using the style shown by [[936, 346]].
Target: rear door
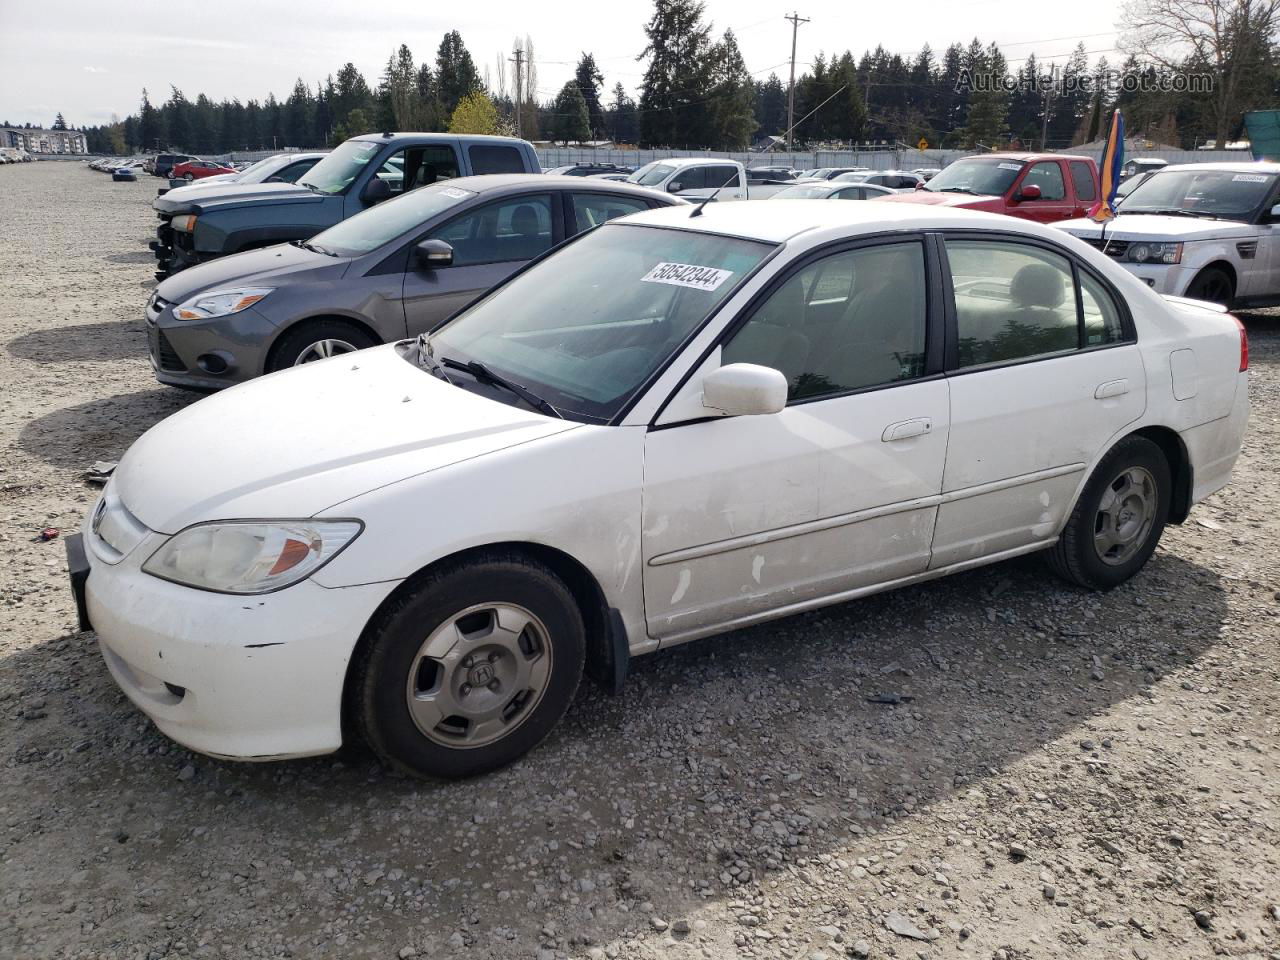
[[1045, 373], [1084, 185], [490, 242]]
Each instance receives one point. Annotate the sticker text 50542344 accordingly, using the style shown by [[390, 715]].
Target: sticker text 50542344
[[687, 275]]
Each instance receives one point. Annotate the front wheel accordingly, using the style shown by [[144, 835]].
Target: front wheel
[[188, 177], [318, 340], [470, 669], [1118, 519], [1214, 285]]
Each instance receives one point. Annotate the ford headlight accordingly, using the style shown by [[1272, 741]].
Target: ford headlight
[[219, 303], [250, 556], [1154, 253]]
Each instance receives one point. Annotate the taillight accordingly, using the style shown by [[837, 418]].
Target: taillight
[[1244, 345]]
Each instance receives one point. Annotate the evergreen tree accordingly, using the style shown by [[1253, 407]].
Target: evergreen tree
[[771, 106], [59, 123], [589, 80], [677, 76], [456, 74], [731, 109], [177, 115], [624, 121], [150, 131], [987, 121], [570, 120], [298, 116]]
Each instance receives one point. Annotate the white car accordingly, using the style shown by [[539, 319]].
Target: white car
[[683, 422], [899, 181], [1209, 231]]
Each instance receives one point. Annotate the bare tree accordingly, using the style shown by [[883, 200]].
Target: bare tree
[[1228, 38]]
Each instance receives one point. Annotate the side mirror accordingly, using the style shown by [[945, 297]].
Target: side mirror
[[1029, 191], [433, 254], [919, 184], [276, 180], [675, 186], [375, 191], [1275, 212], [744, 390]]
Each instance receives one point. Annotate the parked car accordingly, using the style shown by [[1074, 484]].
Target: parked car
[[1141, 165], [832, 190], [384, 274], [927, 173], [359, 173], [896, 181], [761, 174], [588, 169], [1044, 187], [127, 171], [1208, 231], [164, 163], [199, 169], [673, 426], [828, 173], [279, 168], [697, 178]]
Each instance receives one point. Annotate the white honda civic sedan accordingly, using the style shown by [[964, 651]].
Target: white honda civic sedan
[[683, 422]]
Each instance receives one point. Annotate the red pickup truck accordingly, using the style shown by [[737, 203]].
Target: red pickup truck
[[1036, 186]]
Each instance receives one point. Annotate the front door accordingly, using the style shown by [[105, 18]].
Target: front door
[[748, 515], [1054, 204], [489, 244], [1041, 382]]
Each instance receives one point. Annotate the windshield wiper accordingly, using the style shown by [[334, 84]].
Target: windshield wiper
[[952, 190], [1175, 212], [483, 373], [315, 248]]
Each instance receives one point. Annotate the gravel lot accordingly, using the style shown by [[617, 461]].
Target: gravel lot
[[1065, 774]]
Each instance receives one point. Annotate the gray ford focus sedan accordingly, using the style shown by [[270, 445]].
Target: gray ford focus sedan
[[390, 272]]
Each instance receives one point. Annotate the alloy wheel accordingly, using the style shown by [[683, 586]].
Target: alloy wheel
[[1125, 515], [479, 675], [323, 349]]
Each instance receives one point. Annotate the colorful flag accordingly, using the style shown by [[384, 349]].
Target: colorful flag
[[1109, 169]]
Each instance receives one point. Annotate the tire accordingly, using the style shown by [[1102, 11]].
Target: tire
[[302, 344], [188, 177], [1108, 538], [438, 702], [1213, 284]]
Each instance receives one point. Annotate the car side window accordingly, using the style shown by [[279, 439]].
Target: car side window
[[490, 158], [1047, 175], [691, 178], [515, 229], [1082, 180], [1013, 302], [848, 321], [291, 173], [1101, 320], [850, 193], [726, 177], [592, 209]]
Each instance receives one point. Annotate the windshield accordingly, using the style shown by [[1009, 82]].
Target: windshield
[[257, 168], [815, 191], [983, 177], [1200, 193], [372, 228], [586, 327], [336, 172], [651, 174]]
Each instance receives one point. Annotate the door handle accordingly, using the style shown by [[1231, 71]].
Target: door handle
[[1112, 388], [906, 429]]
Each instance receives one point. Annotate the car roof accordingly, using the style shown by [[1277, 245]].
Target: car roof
[[1242, 167], [784, 220], [502, 182], [397, 136], [1023, 157]]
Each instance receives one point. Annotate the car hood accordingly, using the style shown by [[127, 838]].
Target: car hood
[[291, 444], [221, 196], [1152, 227], [938, 199], [266, 267]]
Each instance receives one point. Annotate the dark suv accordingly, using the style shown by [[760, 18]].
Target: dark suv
[[588, 169], [165, 162]]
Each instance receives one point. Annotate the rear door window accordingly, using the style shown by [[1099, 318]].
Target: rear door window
[[1082, 180], [592, 209], [491, 158]]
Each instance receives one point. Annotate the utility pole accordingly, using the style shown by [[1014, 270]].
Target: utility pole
[[796, 20], [518, 60], [1048, 99]]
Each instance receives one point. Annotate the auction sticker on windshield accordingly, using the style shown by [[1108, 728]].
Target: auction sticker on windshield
[[687, 275], [1010, 166]]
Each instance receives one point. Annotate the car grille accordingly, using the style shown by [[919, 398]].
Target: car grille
[[1116, 249], [166, 357]]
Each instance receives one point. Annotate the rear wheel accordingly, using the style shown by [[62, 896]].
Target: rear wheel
[[1213, 284], [1118, 519], [188, 177], [469, 670], [318, 340]]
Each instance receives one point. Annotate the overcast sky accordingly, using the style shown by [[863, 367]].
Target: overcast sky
[[90, 59]]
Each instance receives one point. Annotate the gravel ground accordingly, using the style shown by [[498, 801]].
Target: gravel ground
[[1063, 773]]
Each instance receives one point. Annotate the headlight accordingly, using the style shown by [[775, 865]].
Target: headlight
[[185, 223], [250, 556], [1154, 253], [219, 303]]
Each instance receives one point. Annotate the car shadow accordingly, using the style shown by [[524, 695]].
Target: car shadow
[[115, 340], [769, 747], [76, 436], [138, 256]]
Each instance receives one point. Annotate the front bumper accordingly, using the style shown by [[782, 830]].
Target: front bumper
[[1171, 279], [242, 677], [207, 354]]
